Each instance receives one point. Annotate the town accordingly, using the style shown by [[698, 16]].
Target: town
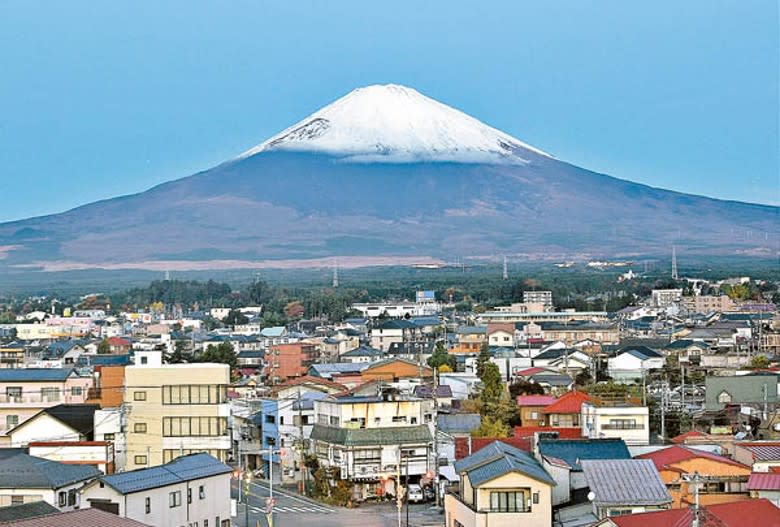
[[498, 402]]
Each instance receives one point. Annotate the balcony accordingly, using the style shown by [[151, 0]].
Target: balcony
[[622, 427], [38, 399]]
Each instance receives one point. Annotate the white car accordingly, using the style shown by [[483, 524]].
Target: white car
[[415, 494]]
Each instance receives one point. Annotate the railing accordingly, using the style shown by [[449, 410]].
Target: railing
[[31, 398], [622, 427]]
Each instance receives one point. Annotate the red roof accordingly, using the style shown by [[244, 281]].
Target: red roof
[[118, 341], [764, 481], [568, 403], [563, 433], [674, 454], [687, 435], [746, 513], [478, 443], [535, 400], [530, 371]]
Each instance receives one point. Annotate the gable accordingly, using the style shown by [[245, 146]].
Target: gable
[[42, 427]]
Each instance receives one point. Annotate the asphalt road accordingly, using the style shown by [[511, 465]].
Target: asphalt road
[[292, 509]]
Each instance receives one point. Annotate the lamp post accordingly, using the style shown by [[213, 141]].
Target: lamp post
[[247, 481]]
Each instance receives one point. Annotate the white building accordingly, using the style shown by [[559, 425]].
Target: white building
[[189, 489], [538, 297], [628, 422], [663, 298]]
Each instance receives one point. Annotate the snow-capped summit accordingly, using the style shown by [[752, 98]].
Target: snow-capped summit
[[394, 123]]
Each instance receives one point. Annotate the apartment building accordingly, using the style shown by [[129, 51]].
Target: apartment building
[[538, 297], [25, 392], [174, 410], [288, 361], [626, 421]]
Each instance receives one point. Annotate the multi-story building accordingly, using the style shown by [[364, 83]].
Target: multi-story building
[[707, 303], [288, 361], [175, 409], [25, 392], [626, 421], [538, 297], [394, 331], [663, 298], [367, 437], [470, 339]]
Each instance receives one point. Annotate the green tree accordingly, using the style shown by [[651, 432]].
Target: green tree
[[179, 354], [492, 387], [440, 358], [104, 348], [523, 387], [491, 427], [482, 359], [235, 318], [759, 362], [221, 353]]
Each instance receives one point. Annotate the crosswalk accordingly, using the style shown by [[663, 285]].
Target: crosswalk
[[297, 509]]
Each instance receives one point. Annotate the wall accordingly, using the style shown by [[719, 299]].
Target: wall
[[43, 428]]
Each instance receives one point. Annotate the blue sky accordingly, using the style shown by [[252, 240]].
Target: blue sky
[[99, 99]]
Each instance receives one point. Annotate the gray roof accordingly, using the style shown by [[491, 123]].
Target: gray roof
[[23, 471], [625, 482], [391, 435], [35, 374], [26, 510], [184, 468], [497, 459], [458, 423]]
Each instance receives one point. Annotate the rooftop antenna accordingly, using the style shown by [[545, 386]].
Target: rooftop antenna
[[506, 272], [336, 274], [675, 276]]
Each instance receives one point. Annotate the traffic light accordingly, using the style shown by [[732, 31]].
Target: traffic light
[[236, 474]]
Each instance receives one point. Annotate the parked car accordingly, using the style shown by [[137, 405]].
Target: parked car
[[429, 492], [415, 494]]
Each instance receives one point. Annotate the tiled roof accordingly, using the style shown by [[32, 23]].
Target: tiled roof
[[497, 459], [26, 510], [762, 452], [568, 403], [34, 374], [29, 472], [391, 435], [78, 518], [764, 481], [184, 468], [535, 400], [674, 454], [575, 450], [625, 482]]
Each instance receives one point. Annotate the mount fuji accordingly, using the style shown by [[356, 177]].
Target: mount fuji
[[385, 175]]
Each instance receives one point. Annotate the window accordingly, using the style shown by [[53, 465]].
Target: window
[[17, 500], [139, 428], [71, 498], [148, 505], [724, 397], [140, 460], [270, 441], [50, 395], [13, 391], [281, 419], [144, 360], [621, 424], [413, 421], [399, 419], [334, 421], [139, 396], [536, 498], [174, 499], [270, 419], [205, 523], [189, 496], [202, 495], [508, 502], [11, 421], [195, 394], [62, 498], [108, 437]]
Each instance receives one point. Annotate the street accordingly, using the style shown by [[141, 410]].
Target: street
[[292, 510]]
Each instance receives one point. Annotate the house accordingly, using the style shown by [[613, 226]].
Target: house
[[571, 332], [623, 420], [688, 351], [175, 409], [393, 370], [25, 392], [501, 334], [362, 354], [389, 331], [754, 389], [9, 513], [470, 339], [632, 363], [367, 437], [25, 478], [63, 422], [625, 486], [76, 518], [500, 486], [531, 407], [190, 488], [763, 456], [570, 361], [11, 354], [99, 454], [566, 411], [286, 361], [765, 485], [562, 459], [724, 479], [119, 345], [740, 514]]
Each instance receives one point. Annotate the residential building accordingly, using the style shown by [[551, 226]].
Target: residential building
[[501, 334], [76, 518], [361, 354], [765, 485], [287, 361], [385, 333], [625, 486], [531, 407], [191, 488], [500, 486], [736, 514], [625, 420], [109, 386], [393, 370], [25, 478], [573, 332], [25, 392], [538, 297], [633, 363], [707, 303], [762, 456], [470, 339], [367, 438], [755, 390], [723, 479], [99, 454], [566, 411], [176, 409], [12, 355], [63, 422], [663, 298], [688, 351]]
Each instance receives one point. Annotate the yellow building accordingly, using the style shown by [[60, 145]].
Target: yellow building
[[500, 486], [175, 409]]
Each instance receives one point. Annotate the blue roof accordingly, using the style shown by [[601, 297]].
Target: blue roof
[[497, 459], [276, 331], [572, 451], [103, 360], [35, 374], [458, 423], [181, 469]]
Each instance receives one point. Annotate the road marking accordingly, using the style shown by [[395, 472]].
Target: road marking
[[285, 494]]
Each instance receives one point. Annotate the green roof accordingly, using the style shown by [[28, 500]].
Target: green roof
[[396, 435]]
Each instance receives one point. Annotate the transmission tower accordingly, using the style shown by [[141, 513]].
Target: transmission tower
[[506, 271], [675, 276], [336, 275]]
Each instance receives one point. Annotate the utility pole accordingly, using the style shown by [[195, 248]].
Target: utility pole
[[663, 411], [675, 275], [301, 443], [399, 490], [436, 475]]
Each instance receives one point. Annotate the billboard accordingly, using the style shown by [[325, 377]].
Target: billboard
[[426, 296]]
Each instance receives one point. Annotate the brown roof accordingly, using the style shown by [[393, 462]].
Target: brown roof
[[78, 518], [309, 379]]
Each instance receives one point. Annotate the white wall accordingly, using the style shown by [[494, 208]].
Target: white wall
[[42, 428]]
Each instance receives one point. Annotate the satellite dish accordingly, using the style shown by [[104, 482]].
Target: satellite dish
[[591, 496]]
